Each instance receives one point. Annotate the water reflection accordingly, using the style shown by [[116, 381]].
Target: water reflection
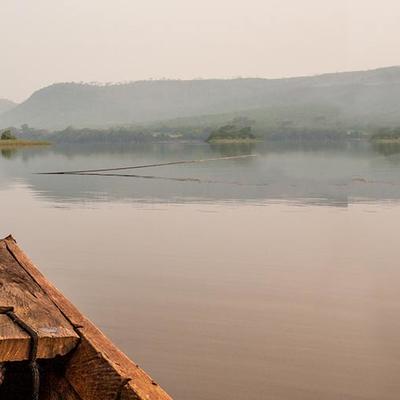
[[300, 302], [318, 173], [234, 149], [387, 149], [8, 153]]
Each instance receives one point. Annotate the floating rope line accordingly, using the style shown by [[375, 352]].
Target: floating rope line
[[145, 166], [197, 180]]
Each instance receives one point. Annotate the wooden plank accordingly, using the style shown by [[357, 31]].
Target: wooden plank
[[97, 369], [14, 342], [56, 335], [128, 394], [56, 387], [91, 375]]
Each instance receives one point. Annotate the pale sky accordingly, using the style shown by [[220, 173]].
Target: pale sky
[[47, 41]]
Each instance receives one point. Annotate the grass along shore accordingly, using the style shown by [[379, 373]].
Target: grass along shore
[[18, 143], [386, 140]]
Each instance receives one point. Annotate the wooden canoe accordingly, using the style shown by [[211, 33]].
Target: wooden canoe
[[50, 351]]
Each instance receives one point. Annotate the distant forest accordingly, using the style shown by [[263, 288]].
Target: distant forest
[[170, 132]]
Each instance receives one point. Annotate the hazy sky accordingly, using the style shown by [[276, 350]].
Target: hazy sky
[[47, 41]]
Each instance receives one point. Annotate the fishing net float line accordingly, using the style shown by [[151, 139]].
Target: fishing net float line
[[88, 171], [166, 178]]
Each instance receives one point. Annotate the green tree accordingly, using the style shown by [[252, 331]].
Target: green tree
[[7, 135]]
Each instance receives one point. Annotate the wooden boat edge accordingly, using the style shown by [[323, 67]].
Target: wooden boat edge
[[97, 369]]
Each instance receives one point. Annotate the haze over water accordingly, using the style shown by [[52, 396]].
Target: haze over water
[[272, 277]]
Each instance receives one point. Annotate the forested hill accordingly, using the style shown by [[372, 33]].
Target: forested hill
[[358, 97], [6, 105]]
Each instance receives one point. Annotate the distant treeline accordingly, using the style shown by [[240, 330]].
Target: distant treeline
[[320, 134], [129, 134], [239, 127], [232, 132], [387, 134], [113, 135]]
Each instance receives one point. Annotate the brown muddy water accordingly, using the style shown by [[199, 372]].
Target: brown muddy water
[[283, 287]]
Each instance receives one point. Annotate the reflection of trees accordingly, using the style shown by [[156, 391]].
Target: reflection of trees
[[233, 149], [8, 153], [316, 173], [276, 146], [387, 149]]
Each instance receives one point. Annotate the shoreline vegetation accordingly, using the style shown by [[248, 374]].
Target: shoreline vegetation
[[386, 140], [236, 130], [8, 139], [386, 136]]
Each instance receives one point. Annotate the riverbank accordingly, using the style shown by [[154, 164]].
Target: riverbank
[[386, 141], [21, 143]]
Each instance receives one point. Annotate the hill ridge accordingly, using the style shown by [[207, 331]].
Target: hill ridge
[[357, 94]]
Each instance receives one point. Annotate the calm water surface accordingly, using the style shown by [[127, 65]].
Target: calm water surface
[[268, 278]]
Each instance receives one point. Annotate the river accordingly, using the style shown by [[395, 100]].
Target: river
[[274, 277]]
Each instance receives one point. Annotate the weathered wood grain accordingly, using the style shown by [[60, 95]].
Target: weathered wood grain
[[97, 369], [14, 342], [32, 305], [56, 387], [91, 375]]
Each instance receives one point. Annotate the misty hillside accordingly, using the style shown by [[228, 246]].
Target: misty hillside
[[354, 98], [6, 105]]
